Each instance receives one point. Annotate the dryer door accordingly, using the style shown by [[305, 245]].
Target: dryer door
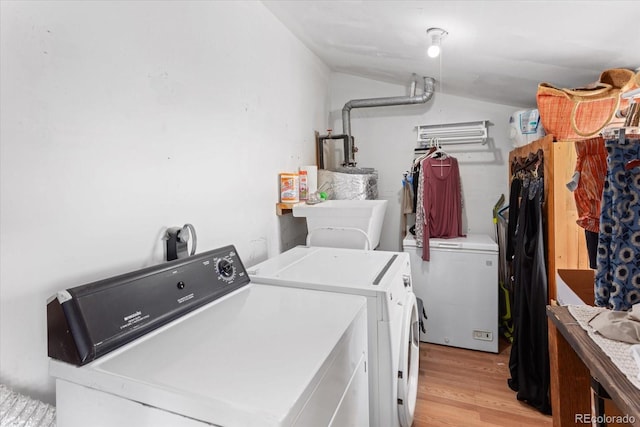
[[408, 362]]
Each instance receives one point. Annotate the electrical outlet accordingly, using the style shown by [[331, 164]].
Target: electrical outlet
[[482, 335]]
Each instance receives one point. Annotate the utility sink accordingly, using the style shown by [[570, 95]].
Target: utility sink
[[347, 219]]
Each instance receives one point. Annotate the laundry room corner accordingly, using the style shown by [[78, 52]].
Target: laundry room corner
[[386, 138], [121, 119], [277, 213]]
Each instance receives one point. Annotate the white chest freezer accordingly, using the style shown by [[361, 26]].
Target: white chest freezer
[[459, 289]]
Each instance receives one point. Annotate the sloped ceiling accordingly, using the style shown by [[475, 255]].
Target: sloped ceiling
[[497, 51]]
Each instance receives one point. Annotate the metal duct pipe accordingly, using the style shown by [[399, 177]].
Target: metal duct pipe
[[427, 93]]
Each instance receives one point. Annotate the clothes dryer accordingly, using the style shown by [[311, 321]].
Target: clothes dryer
[[175, 345], [384, 278]]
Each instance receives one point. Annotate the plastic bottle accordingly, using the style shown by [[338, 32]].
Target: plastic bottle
[[304, 185], [289, 192]]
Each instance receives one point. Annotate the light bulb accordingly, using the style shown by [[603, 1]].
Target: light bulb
[[436, 35]]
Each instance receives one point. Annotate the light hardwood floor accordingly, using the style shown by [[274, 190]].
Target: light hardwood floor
[[459, 387]]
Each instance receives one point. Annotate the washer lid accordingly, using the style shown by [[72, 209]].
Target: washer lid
[[250, 358], [477, 242], [336, 269]]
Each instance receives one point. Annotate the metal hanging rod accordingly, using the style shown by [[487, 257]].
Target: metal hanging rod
[[453, 133]]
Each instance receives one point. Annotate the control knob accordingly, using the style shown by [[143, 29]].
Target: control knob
[[226, 269]]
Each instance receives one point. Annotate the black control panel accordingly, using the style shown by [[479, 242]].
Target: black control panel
[[88, 321]]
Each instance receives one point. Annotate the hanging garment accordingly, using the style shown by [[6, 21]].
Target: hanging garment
[[418, 208], [617, 283], [442, 200], [514, 209], [591, 164], [592, 248], [407, 202], [407, 196], [415, 172], [587, 185], [529, 359], [506, 286], [419, 196]]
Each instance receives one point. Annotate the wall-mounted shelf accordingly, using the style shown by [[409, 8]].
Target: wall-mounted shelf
[[285, 208], [453, 133]]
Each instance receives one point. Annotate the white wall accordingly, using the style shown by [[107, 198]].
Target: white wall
[[121, 119], [386, 137]]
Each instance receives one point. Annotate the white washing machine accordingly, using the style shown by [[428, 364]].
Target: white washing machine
[[384, 278], [459, 289], [176, 345]]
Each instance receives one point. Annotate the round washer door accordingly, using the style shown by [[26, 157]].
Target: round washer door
[[409, 361]]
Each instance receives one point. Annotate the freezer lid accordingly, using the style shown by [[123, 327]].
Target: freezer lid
[[409, 241], [477, 242]]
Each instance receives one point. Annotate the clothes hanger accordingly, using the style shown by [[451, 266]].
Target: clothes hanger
[[530, 163], [442, 155], [407, 178], [440, 164], [434, 146], [439, 152], [421, 157], [516, 164], [502, 211], [497, 206], [522, 164]]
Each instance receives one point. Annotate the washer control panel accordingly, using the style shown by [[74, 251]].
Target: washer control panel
[[91, 320]]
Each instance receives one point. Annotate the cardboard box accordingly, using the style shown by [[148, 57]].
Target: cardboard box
[[575, 287]]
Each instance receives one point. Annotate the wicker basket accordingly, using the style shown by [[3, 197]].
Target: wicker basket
[[575, 114]]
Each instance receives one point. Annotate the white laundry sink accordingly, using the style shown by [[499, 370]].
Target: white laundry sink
[[343, 218]]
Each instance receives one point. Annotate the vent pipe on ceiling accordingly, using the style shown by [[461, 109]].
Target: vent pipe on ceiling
[[427, 93]]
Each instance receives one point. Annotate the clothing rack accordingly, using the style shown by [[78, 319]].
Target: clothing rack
[[454, 133], [408, 184], [438, 141]]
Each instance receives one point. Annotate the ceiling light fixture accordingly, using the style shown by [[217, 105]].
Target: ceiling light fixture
[[436, 35]]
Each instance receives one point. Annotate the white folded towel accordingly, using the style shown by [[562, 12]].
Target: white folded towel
[[635, 352]]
